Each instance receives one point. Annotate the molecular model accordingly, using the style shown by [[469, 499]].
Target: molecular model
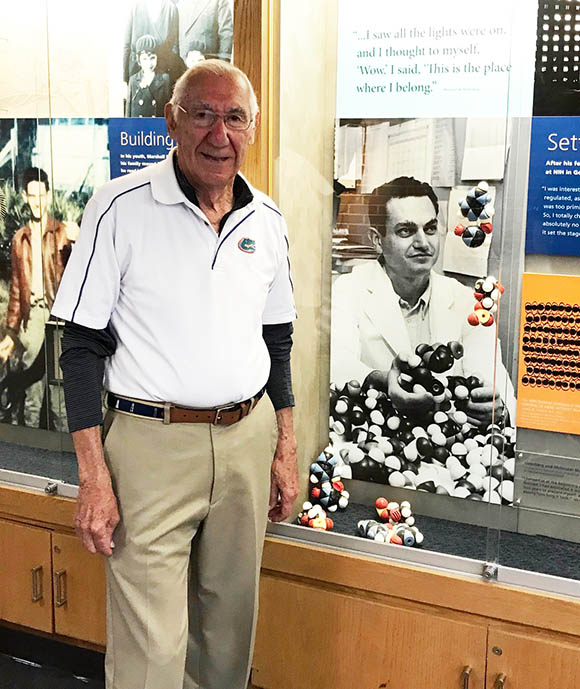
[[477, 210], [326, 486], [314, 517], [487, 293], [401, 518], [439, 452], [417, 370]]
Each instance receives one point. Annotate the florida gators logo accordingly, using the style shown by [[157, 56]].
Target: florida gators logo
[[247, 245]]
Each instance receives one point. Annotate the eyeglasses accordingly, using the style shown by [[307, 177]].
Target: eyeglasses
[[205, 119]]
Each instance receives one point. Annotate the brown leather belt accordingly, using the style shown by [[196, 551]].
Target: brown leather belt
[[168, 413]]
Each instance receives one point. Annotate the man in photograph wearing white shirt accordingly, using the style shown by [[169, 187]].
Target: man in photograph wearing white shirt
[[388, 306]]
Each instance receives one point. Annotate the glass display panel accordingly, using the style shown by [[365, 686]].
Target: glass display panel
[[81, 102], [437, 194], [33, 249]]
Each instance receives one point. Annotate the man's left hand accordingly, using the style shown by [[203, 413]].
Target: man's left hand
[[484, 406], [284, 471]]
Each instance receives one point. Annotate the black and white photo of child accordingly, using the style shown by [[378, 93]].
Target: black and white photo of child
[[149, 89], [159, 19]]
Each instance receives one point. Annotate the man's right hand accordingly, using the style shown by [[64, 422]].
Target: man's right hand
[[410, 403], [97, 515], [6, 348]]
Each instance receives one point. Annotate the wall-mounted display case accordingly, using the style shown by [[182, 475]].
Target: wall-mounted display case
[[446, 309]]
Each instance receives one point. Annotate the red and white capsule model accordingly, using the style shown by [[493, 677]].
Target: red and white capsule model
[[487, 292]]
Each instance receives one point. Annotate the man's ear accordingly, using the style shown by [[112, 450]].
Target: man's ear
[[170, 119], [255, 127], [375, 239]]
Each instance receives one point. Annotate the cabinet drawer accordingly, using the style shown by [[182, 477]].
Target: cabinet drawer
[[25, 576], [78, 590], [315, 638]]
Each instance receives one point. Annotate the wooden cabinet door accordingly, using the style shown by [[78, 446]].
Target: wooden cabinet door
[[532, 661], [25, 584], [316, 638], [79, 590]]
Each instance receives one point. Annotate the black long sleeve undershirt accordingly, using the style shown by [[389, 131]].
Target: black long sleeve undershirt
[[84, 351]]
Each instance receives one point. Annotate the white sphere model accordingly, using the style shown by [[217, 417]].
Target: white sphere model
[[393, 462], [489, 455], [461, 492], [476, 480], [377, 454], [396, 479], [506, 490], [355, 455], [492, 497]]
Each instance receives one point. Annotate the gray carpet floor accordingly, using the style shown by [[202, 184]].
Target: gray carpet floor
[[532, 553], [29, 460]]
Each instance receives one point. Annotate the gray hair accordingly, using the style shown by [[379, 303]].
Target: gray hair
[[218, 68]]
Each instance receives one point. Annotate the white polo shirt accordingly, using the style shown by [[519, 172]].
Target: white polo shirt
[[186, 305]]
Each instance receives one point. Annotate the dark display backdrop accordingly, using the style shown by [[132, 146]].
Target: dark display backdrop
[[557, 76]]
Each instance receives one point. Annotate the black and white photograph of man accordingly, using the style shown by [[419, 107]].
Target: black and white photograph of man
[[403, 287], [205, 27], [398, 301]]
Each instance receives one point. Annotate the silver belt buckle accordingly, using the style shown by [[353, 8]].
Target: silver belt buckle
[[219, 410]]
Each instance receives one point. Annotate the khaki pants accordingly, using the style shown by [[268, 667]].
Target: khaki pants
[[183, 580]]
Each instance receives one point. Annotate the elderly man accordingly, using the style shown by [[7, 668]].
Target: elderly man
[[40, 251], [386, 307], [181, 278]]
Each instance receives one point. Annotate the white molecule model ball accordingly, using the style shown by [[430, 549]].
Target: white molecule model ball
[[489, 455], [506, 490], [396, 479], [492, 497], [393, 423]]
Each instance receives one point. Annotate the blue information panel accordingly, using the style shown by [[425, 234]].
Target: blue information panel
[[135, 142], [553, 222]]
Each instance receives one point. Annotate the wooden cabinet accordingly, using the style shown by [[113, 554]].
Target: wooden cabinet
[[78, 590], [316, 638], [48, 582], [25, 566], [337, 619], [328, 618], [532, 661]]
